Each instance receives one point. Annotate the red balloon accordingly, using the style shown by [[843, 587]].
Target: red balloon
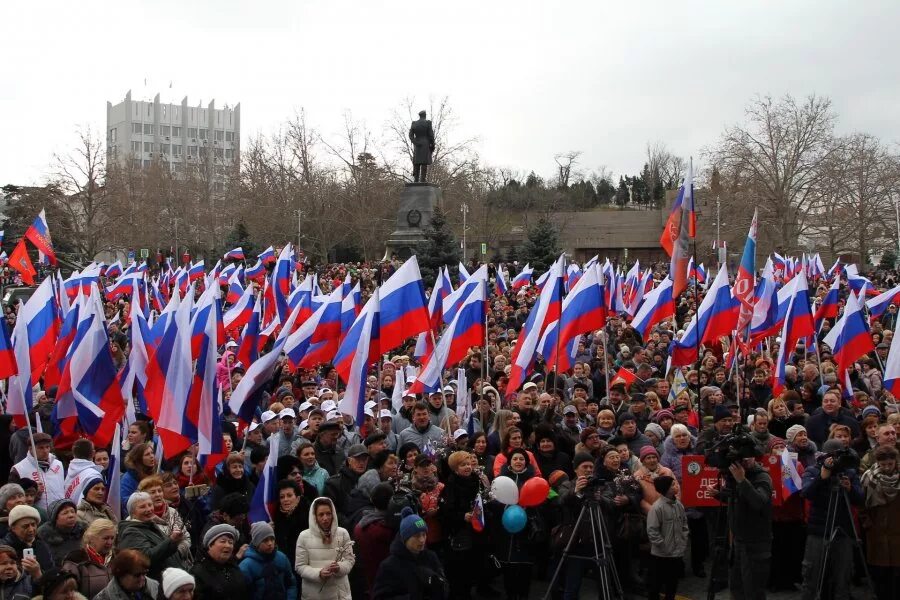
[[534, 492]]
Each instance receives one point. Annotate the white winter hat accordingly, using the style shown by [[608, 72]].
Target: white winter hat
[[173, 578]]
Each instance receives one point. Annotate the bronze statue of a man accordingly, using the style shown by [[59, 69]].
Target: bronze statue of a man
[[422, 137]]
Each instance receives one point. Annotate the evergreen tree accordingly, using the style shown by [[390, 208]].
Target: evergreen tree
[[541, 248], [888, 260], [621, 197], [440, 248], [239, 237]]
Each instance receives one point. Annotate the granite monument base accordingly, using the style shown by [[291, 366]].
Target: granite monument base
[[417, 202]]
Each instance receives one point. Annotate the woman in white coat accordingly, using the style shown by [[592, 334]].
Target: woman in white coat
[[324, 555]]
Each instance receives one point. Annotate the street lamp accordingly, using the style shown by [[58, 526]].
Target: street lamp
[[464, 209]]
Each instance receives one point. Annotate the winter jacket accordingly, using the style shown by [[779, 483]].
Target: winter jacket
[[218, 581], [226, 484], [433, 435], [129, 482], [645, 477], [671, 456], [316, 477], [269, 576], [19, 588], [373, 538], [80, 471], [314, 554], [169, 522], [437, 416], [113, 591], [805, 456], [818, 493], [92, 577], [751, 512], [146, 537], [223, 372], [288, 527], [338, 487], [501, 459], [667, 528], [557, 461], [42, 552], [819, 424], [88, 513], [61, 542], [409, 576], [330, 459], [638, 441]]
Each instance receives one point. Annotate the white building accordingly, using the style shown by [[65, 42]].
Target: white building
[[184, 137]]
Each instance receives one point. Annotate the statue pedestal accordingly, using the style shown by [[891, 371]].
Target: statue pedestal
[[417, 202]]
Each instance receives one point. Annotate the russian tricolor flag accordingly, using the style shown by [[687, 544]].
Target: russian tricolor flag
[[849, 338], [791, 480], [264, 505], [523, 278], [8, 364], [257, 272], [267, 256], [583, 310], [40, 317], [545, 311], [500, 281], [442, 288], [89, 400], [316, 339], [657, 306], [403, 310], [716, 317], [239, 314], [798, 325], [39, 235], [879, 304], [359, 350], [828, 309], [466, 330], [235, 254]]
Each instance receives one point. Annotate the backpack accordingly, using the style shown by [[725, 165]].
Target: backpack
[[401, 499]]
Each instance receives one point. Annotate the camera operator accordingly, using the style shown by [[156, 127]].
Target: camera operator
[[749, 499], [817, 487]]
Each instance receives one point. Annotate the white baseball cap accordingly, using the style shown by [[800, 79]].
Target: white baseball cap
[[370, 404], [459, 433], [328, 406], [385, 413], [231, 344], [333, 415], [304, 424], [268, 416], [287, 412], [305, 406], [253, 427]]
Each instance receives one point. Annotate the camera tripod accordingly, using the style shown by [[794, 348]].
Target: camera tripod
[[838, 501], [610, 587]]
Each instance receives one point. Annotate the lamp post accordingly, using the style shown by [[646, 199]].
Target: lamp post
[[464, 209]]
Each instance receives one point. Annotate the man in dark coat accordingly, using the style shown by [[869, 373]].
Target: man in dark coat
[[421, 135], [339, 486], [819, 423]]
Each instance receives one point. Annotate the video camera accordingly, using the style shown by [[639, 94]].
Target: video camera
[[845, 459], [734, 447]]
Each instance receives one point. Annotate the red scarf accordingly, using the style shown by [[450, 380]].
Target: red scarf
[[160, 511], [95, 556]]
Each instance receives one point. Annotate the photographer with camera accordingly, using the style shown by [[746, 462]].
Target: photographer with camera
[[748, 493], [830, 525]]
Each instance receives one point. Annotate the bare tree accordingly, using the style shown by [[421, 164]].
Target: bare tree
[[856, 201], [774, 161], [80, 176], [564, 163]]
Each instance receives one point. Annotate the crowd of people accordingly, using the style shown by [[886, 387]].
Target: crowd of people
[[406, 503]]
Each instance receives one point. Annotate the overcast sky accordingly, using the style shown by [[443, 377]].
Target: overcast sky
[[529, 79]]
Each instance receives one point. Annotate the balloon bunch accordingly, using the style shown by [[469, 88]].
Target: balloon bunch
[[505, 491]]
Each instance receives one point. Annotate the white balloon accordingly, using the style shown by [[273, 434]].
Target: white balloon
[[505, 490]]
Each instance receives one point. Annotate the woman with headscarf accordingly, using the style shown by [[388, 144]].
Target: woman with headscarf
[[324, 555]]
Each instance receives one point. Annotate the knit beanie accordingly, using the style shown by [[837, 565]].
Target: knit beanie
[[173, 578], [411, 524], [662, 484], [582, 457], [647, 451], [663, 414], [91, 483], [260, 532], [626, 416], [56, 506], [871, 410], [656, 430], [217, 531], [721, 413], [792, 432], [773, 441], [23, 511], [8, 491]]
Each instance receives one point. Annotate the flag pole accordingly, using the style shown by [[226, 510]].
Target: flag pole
[[559, 325], [696, 308]]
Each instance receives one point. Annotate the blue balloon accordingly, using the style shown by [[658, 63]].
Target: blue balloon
[[514, 518]]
